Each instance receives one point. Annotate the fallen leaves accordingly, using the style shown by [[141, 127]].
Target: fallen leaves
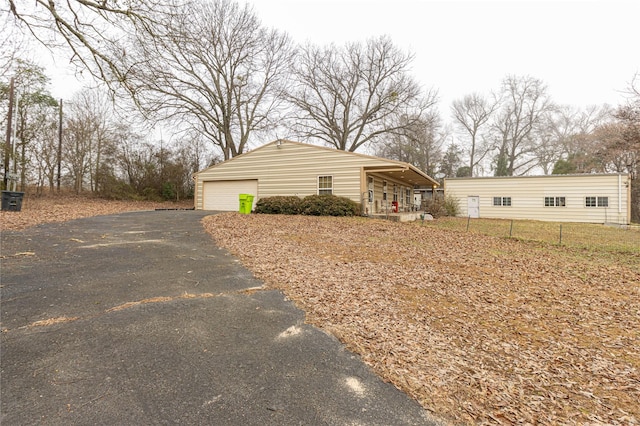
[[48, 209], [52, 321], [479, 330], [160, 299]]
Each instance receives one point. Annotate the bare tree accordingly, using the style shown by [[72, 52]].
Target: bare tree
[[91, 29], [347, 97], [524, 103], [79, 134], [471, 113], [419, 143], [214, 70], [44, 157], [565, 138], [93, 108], [11, 45]]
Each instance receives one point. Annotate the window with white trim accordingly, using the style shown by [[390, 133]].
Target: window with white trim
[[395, 192], [596, 201], [384, 190], [502, 201], [325, 185], [407, 197], [555, 201]]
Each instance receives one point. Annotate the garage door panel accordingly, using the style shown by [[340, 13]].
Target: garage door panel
[[223, 195]]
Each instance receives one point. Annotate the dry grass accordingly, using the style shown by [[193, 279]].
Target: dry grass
[[480, 330], [575, 235]]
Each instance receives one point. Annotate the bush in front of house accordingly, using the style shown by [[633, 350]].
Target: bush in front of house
[[329, 205], [279, 205], [311, 205], [440, 207]]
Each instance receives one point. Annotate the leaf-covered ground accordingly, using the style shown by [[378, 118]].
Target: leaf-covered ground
[[479, 330], [36, 210]]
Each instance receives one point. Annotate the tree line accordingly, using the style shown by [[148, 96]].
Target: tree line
[[85, 144], [211, 72]]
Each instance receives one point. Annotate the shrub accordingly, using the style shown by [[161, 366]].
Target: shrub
[[329, 205], [168, 191], [279, 205], [439, 207]]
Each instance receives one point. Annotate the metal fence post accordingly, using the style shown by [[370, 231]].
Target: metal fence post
[[560, 234]]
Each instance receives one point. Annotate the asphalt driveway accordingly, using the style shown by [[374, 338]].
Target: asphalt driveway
[[139, 318]]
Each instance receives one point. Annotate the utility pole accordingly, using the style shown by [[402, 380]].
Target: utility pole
[[7, 145], [59, 144]]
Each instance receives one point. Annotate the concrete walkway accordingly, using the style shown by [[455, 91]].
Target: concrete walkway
[[139, 318]]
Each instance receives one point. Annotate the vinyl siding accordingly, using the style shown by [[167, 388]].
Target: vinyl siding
[[528, 193], [293, 169]]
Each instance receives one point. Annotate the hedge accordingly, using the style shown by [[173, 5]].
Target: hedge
[[312, 205]]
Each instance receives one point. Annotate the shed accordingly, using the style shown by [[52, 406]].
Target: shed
[[285, 167], [591, 198]]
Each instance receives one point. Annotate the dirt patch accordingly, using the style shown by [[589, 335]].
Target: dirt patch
[[480, 330]]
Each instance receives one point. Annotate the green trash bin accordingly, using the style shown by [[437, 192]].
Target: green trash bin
[[246, 203]]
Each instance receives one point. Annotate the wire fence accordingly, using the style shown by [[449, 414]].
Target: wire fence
[[580, 235]]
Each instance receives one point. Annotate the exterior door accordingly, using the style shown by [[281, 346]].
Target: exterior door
[[473, 206]]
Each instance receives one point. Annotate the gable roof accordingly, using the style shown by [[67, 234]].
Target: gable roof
[[395, 169]]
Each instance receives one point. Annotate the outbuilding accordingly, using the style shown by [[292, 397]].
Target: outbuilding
[[285, 167], [591, 198]]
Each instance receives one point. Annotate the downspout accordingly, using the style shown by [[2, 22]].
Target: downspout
[[620, 200], [363, 190]]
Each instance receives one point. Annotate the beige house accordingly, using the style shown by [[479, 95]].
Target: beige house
[[593, 198], [291, 168]]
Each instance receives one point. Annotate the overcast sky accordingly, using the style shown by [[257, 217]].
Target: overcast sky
[[585, 51]]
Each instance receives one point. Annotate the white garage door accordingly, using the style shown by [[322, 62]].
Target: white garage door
[[223, 195]]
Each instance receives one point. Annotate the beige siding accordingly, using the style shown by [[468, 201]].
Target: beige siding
[[293, 169], [527, 197]]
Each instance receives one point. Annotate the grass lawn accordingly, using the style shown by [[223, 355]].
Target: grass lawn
[[576, 235]]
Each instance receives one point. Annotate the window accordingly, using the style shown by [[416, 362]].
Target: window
[[325, 185], [502, 201], [555, 202], [596, 201], [603, 201], [395, 193], [407, 198], [384, 190]]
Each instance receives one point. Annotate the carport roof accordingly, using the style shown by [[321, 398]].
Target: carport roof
[[405, 172]]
